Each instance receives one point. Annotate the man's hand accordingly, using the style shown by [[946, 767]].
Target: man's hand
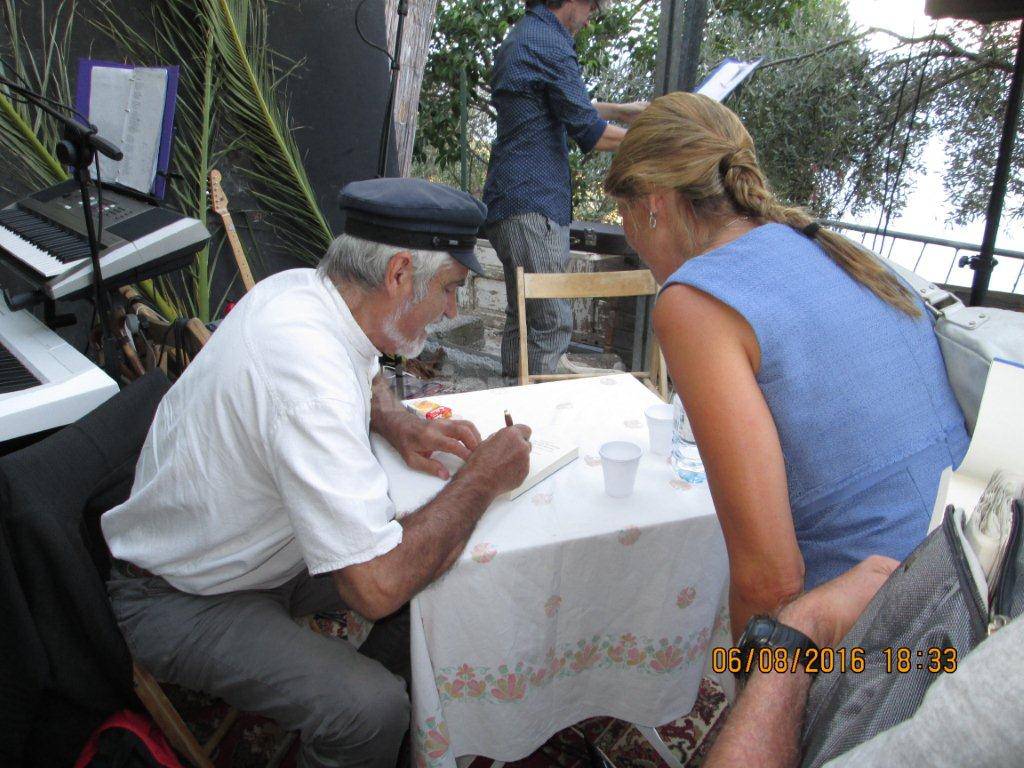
[[502, 461], [826, 613], [627, 112], [620, 113], [416, 439], [434, 535]]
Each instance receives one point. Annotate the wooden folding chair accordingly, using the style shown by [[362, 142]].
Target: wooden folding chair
[[196, 334], [169, 721], [586, 285]]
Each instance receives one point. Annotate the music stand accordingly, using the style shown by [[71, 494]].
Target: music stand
[[77, 149], [726, 77]]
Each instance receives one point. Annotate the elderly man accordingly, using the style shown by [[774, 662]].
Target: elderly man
[[540, 99], [257, 497]]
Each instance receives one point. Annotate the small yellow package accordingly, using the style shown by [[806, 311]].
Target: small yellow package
[[429, 410]]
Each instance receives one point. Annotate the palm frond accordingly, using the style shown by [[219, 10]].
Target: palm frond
[[260, 129], [178, 36], [27, 133]]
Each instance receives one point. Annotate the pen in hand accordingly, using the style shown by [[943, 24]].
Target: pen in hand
[[508, 419]]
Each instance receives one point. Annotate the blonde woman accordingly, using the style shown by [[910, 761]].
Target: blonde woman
[[812, 377]]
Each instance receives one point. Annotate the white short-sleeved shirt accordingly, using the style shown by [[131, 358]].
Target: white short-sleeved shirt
[[258, 463]]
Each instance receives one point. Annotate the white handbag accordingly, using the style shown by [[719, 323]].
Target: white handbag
[[970, 339]]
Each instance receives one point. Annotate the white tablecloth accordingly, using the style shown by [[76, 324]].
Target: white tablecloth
[[566, 603]]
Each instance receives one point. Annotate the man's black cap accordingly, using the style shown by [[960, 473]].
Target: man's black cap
[[415, 214]]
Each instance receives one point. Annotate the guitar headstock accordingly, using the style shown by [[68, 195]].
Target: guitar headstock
[[218, 200]]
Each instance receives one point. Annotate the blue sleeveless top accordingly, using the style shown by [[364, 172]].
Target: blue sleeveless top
[[858, 391]]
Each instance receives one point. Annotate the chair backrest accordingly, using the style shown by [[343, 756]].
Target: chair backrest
[[51, 496], [583, 285]]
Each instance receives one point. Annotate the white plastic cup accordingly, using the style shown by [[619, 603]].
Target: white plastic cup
[[619, 460], [659, 425]]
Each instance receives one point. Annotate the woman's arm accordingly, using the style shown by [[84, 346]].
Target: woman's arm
[[713, 355]]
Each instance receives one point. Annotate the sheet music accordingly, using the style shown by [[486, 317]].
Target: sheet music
[[127, 106], [726, 78]]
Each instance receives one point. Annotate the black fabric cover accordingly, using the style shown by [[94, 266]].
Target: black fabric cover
[[64, 667]]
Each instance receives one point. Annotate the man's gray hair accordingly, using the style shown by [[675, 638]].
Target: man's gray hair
[[354, 260]]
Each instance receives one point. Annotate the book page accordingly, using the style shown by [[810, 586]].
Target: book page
[[726, 78], [546, 457], [127, 106]]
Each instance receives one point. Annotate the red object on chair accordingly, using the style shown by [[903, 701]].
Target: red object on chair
[[141, 736]]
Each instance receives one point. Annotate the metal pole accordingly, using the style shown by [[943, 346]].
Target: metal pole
[[695, 18], [464, 129], [679, 39], [389, 109], [984, 263], [669, 44]]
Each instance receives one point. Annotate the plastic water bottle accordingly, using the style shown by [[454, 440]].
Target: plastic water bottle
[[685, 457]]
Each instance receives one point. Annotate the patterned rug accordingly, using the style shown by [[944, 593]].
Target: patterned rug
[[254, 741]]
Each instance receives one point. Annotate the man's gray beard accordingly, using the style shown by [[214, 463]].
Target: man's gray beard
[[404, 346]]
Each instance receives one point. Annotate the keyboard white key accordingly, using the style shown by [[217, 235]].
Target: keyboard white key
[[44, 236], [32, 255], [69, 385]]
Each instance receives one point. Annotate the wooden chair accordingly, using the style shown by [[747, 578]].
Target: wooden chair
[[160, 332], [581, 285], [169, 721]]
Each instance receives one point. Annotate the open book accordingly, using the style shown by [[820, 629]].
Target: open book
[[547, 457], [995, 445]]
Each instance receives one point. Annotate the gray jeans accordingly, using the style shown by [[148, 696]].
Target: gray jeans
[[245, 648], [537, 244]]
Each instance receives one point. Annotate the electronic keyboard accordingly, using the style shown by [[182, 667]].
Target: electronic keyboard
[[44, 238], [599, 237], [44, 382]]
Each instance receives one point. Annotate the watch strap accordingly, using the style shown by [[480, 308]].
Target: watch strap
[[785, 636], [757, 635]]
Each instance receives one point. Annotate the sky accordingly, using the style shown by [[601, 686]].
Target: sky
[[927, 208]]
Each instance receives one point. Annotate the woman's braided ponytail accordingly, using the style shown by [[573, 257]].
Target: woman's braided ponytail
[[698, 147]]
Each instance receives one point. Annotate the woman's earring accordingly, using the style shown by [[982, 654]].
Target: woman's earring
[[652, 219]]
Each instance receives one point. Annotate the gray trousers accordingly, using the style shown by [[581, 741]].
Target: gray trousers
[[245, 648], [537, 244]]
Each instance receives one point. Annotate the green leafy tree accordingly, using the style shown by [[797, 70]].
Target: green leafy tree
[[839, 124]]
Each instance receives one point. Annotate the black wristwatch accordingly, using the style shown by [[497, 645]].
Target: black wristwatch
[[762, 631]]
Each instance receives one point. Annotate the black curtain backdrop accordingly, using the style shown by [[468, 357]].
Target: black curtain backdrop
[[335, 99]]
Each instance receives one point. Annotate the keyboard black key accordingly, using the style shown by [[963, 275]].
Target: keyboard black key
[[63, 245], [13, 375]]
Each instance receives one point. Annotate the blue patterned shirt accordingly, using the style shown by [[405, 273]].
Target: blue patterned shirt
[[538, 93]]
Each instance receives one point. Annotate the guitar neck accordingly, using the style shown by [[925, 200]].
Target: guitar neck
[[236, 250]]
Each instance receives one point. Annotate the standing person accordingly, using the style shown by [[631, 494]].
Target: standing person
[[540, 100], [816, 388], [257, 496]]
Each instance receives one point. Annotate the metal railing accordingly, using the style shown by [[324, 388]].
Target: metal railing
[[956, 246]]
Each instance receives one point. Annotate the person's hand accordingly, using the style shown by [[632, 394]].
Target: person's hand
[[826, 613], [502, 461], [630, 110], [416, 440]]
